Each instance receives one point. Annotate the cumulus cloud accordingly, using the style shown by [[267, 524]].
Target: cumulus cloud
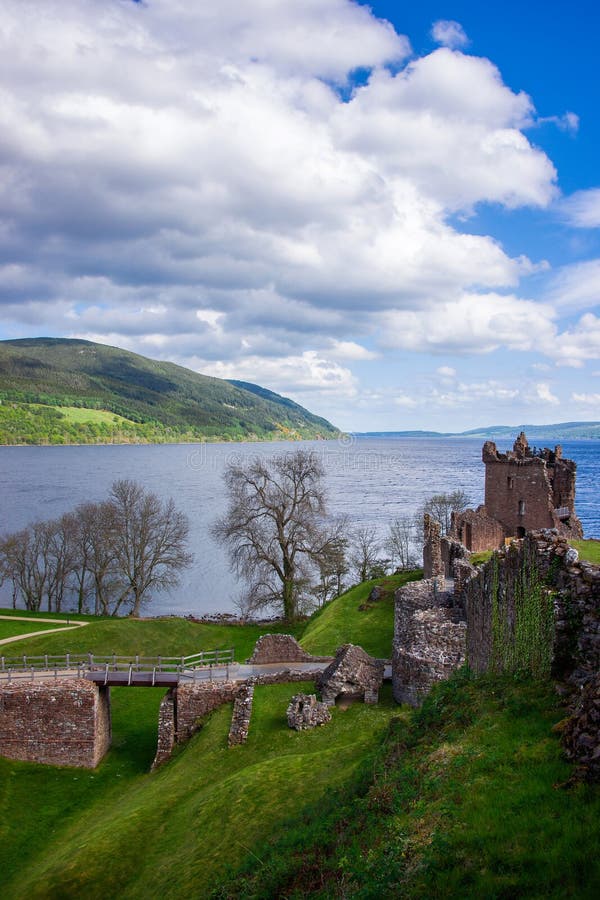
[[205, 182], [473, 323], [576, 286], [449, 34]]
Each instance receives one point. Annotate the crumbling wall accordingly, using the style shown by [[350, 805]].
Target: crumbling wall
[[523, 489], [533, 606], [242, 713], [433, 566], [429, 640], [195, 700], [60, 723], [477, 530], [275, 648]]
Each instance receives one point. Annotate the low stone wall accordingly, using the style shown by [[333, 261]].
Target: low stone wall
[[194, 701], [242, 712], [582, 732], [60, 723], [429, 640], [276, 648], [166, 729], [499, 609]]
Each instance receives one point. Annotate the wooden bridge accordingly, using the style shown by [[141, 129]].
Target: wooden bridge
[[131, 671]]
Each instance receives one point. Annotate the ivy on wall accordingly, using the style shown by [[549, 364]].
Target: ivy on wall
[[522, 617]]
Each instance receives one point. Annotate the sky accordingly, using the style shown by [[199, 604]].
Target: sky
[[389, 213]]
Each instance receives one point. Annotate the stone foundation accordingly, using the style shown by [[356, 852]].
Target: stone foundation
[[59, 723], [305, 711]]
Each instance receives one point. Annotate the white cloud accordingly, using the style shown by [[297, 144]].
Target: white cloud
[[349, 350], [578, 344], [587, 400], [449, 34], [293, 375], [540, 393], [446, 372], [582, 209], [474, 323]]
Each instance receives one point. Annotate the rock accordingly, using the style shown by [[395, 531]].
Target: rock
[[305, 711]]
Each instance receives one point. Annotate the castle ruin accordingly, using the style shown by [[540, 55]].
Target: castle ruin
[[525, 490]]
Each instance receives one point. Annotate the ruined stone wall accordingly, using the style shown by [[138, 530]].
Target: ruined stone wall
[[274, 648], [60, 723], [242, 713], [477, 530], [193, 701], [507, 630], [515, 485], [433, 566], [166, 729], [429, 640]]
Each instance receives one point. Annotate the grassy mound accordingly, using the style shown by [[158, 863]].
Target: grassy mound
[[470, 797], [352, 619], [120, 832]]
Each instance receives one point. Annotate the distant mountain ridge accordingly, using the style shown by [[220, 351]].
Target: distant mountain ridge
[[49, 378], [560, 431]]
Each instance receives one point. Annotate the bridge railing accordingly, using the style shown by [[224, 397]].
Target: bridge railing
[[86, 662]]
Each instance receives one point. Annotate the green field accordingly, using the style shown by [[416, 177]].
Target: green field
[[588, 550], [11, 629], [469, 797]]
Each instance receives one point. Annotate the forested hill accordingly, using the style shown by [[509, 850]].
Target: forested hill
[[57, 390]]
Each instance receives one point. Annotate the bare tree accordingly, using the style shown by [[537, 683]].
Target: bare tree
[[275, 528], [148, 539], [400, 543], [333, 567], [365, 554], [441, 506]]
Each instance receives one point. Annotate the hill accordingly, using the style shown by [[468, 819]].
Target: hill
[[559, 431], [45, 383]]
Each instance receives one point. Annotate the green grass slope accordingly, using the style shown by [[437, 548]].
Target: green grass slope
[[40, 377], [352, 619], [470, 797]]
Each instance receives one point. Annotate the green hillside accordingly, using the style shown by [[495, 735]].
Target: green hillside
[[45, 383], [468, 797]]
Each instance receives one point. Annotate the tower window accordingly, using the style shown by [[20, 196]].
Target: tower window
[[521, 507], [510, 482]]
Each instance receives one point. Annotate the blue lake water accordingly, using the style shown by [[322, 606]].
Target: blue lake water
[[371, 480]]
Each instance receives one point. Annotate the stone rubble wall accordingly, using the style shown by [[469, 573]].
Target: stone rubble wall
[[576, 651], [305, 711], [194, 701], [275, 648], [242, 712], [166, 729], [59, 723], [353, 673], [581, 735], [429, 640]]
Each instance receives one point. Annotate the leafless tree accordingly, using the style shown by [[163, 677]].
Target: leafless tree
[[400, 543], [365, 554], [275, 528], [115, 552], [441, 506], [148, 540]]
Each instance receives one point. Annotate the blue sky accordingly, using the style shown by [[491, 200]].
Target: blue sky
[[390, 213]]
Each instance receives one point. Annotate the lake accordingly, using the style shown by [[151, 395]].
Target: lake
[[371, 480]]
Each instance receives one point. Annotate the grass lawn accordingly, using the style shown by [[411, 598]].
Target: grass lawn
[[11, 629], [174, 833], [342, 622], [149, 637], [588, 550], [80, 415], [471, 799]]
